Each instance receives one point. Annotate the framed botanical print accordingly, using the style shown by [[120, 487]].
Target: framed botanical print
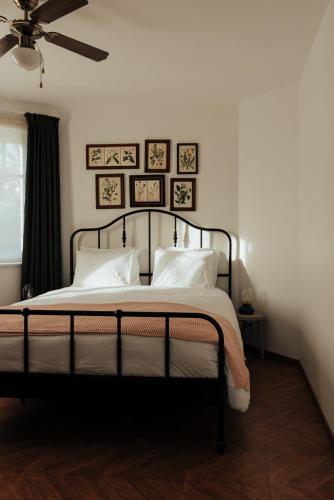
[[95, 156], [157, 155], [187, 158], [182, 194], [112, 156], [110, 191], [147, 191]]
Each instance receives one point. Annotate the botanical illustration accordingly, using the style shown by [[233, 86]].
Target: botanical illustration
[[128, 156], [140, 191], [110, 191], [187, 158], [183, 194], [96, 156], [153, 191], [157, 156], [112, 156]]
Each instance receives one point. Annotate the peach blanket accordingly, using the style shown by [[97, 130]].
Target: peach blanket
[[189, 329]]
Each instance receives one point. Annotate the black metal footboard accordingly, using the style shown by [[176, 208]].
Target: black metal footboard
[[39, 385]]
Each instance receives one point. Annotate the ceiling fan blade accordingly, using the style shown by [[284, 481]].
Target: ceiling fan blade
[[75, 46], [54, 9], [7, 43]]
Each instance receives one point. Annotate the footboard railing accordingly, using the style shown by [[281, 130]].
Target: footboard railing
[[119, 315]]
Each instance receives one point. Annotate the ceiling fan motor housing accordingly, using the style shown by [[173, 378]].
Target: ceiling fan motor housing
[[26, 29], [26, 4]]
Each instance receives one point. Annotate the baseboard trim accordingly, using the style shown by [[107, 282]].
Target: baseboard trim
[[323, 418], [272, 355], [282, 357]]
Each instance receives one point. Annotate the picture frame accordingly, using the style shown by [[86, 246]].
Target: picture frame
[[110, 191], [147, 191], [112, 156], [182, 194], [157, 155], [187, 158]]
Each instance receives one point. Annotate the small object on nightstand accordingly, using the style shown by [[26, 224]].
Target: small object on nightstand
[[256, 320], [246, 301]]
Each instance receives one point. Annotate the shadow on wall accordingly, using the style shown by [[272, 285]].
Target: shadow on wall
[[245, 282], [281, 330]]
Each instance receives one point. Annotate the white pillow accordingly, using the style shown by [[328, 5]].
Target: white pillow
[[180, 267], [213, 264], [97, 267]]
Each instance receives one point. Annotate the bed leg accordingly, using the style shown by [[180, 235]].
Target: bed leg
[[221, 437]]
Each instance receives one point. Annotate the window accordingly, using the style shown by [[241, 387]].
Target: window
[[13, 139]]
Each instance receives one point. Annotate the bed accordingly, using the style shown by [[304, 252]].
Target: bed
[[113, 339]]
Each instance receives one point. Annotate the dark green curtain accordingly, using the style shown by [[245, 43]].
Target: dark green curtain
[[41, 260]]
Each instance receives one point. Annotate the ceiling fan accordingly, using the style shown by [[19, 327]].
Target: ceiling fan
[[25, 32]]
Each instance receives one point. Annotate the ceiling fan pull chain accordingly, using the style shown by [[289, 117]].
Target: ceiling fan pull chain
[[42, 72], [41, 68]]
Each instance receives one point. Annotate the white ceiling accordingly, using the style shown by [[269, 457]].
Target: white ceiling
[[173, 51]]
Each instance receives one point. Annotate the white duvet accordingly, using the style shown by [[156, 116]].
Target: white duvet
[[142, 356]]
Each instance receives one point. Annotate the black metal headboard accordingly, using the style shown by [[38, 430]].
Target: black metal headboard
[[176, 217]]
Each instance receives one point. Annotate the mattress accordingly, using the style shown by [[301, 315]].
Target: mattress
[[142, 356]]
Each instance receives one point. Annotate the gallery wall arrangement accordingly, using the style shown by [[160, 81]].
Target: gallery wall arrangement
[[149, 189]]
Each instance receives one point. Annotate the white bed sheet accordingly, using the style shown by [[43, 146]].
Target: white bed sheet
[[142, 356]]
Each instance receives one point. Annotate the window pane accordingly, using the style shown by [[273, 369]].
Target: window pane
[[12, 172]]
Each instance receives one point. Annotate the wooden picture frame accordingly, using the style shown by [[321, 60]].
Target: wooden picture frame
[[182, 194], [110, 192], [112, 156], [147, 191], [187, 158], [157, 155]]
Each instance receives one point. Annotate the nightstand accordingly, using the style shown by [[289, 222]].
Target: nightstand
[[256, 321]]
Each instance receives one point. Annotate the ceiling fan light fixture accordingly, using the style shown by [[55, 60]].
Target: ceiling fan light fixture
[[27, 58], [25, 32]]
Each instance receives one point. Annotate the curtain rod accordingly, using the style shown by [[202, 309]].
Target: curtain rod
[[11, 111], [11, 116]]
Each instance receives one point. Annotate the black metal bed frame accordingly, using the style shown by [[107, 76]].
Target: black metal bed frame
[[176, 217], [28, 385]]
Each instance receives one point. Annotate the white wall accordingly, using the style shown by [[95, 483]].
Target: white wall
[[10, 284], [286, 207], [268, 212], [10, 276], [214, 127], [316, 215]]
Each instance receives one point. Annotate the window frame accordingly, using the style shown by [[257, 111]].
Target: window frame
[[18, 122]]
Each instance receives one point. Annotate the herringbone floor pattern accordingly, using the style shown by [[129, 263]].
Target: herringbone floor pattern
[[277, 450]]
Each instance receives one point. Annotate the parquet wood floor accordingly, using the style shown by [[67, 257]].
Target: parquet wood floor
[[278, 450]]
